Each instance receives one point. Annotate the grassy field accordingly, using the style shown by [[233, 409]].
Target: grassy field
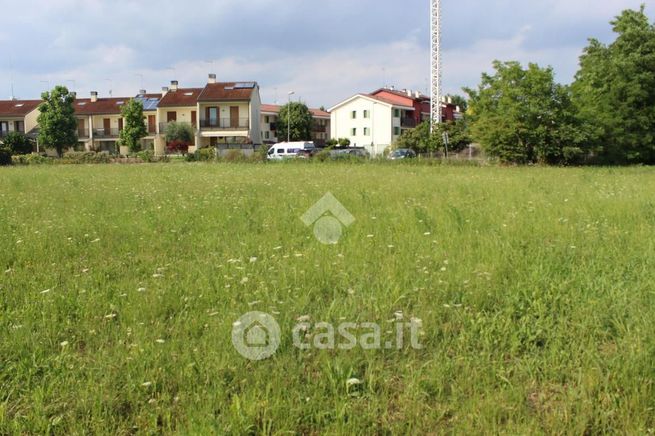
[[119, 287]]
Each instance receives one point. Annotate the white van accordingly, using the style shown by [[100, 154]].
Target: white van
[[285, 150]]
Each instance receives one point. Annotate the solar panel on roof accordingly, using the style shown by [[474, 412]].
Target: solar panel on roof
[[244, 85]]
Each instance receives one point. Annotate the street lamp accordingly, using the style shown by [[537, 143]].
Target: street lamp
[[289, 117]]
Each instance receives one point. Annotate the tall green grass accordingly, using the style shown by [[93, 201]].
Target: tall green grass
[[119, 286]]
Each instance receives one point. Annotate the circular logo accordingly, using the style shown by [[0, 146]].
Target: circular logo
[[256, 335], [328, 230]]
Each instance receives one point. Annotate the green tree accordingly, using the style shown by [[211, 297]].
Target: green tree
[[18, 143], [422, 140], [301, 122], [614, 91], [460, 101], [135, 127], [57, 122], [179, 136], [522, 116]]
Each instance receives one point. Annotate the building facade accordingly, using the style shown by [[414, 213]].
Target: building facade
[[270, 116], [374, 121], [18, 116]]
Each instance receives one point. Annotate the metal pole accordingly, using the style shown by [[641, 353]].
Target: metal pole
[[289, 117], [435, 70]]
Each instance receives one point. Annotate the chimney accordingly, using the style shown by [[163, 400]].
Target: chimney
[[164, 90], [212, 79], [174, 84], [142, 91], [409, 93], [94, 96], [450, 100], [74, 95], [392, 88], [417, 94], [457, 109]]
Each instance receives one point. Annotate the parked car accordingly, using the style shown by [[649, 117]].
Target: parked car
[[344, 153], [402, 153], [286, 150]]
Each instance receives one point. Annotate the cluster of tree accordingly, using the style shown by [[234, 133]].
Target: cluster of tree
[[295, 122], [451, 136], [606, 116]]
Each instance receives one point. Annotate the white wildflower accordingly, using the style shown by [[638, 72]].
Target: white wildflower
[[353, 382], [46, 291]]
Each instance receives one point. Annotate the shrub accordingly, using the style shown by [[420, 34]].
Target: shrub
[[323, 155], [206, 154], [180, 147], [18, 143], [147, 156], [85, 157], [5, 156], [30, 159]]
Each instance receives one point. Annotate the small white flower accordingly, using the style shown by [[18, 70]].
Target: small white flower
[[85, 270], [370, 236], [95, 240], [146, 384], [158, 276], [8, 271], [46, 291], [141, 290], [236, 324], [427, 234], [160, 341], [110, 316], [253, 259], [353, 382], [277, 248], [64, 344], [304, 318], [244, 280]]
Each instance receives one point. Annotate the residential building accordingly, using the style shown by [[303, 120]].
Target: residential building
[[269, 118], [18, 116], [229, 114], [223, 115], [376, 120], [99, 122]]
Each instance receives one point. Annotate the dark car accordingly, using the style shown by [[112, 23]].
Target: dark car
[[402, 153]]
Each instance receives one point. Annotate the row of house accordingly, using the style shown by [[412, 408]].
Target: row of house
[[230, 115]]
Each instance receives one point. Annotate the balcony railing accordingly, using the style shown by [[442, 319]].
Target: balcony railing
[[106, 133], [408, 122], [226, 124], [319, 129], [82, 133], [273, 127]]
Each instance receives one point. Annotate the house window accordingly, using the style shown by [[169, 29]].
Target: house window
[[366, 132], [354, 115], [396, 131], [354, 132], [266, 119], [396, 113], [366, 114], [267, 134]]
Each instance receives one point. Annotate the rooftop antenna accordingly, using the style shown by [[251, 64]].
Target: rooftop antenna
[[435, 70], [141, 80], [13, 97], [275, 101], [110, 86], [74, 84]]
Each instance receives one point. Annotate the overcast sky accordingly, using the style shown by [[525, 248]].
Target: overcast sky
[[324, 50]]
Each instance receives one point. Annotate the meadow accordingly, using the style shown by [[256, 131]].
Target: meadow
[[120, 284]]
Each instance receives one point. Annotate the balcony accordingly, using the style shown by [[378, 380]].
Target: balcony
[[82, 133], [273, 127], [408, 122], [225, 124], [319, 129], [105, 133]]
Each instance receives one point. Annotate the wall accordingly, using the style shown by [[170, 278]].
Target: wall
[[379, 124]]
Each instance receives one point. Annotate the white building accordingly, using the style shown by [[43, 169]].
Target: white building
[[370, 121]]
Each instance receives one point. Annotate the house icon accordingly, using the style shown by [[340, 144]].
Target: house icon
[[256, 335]]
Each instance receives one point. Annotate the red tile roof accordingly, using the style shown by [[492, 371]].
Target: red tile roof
[[103, 106], [275, 109], [227, 91], [181, 97], [17, 108]]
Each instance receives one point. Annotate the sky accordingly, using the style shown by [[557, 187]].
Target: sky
[[323, 50]]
